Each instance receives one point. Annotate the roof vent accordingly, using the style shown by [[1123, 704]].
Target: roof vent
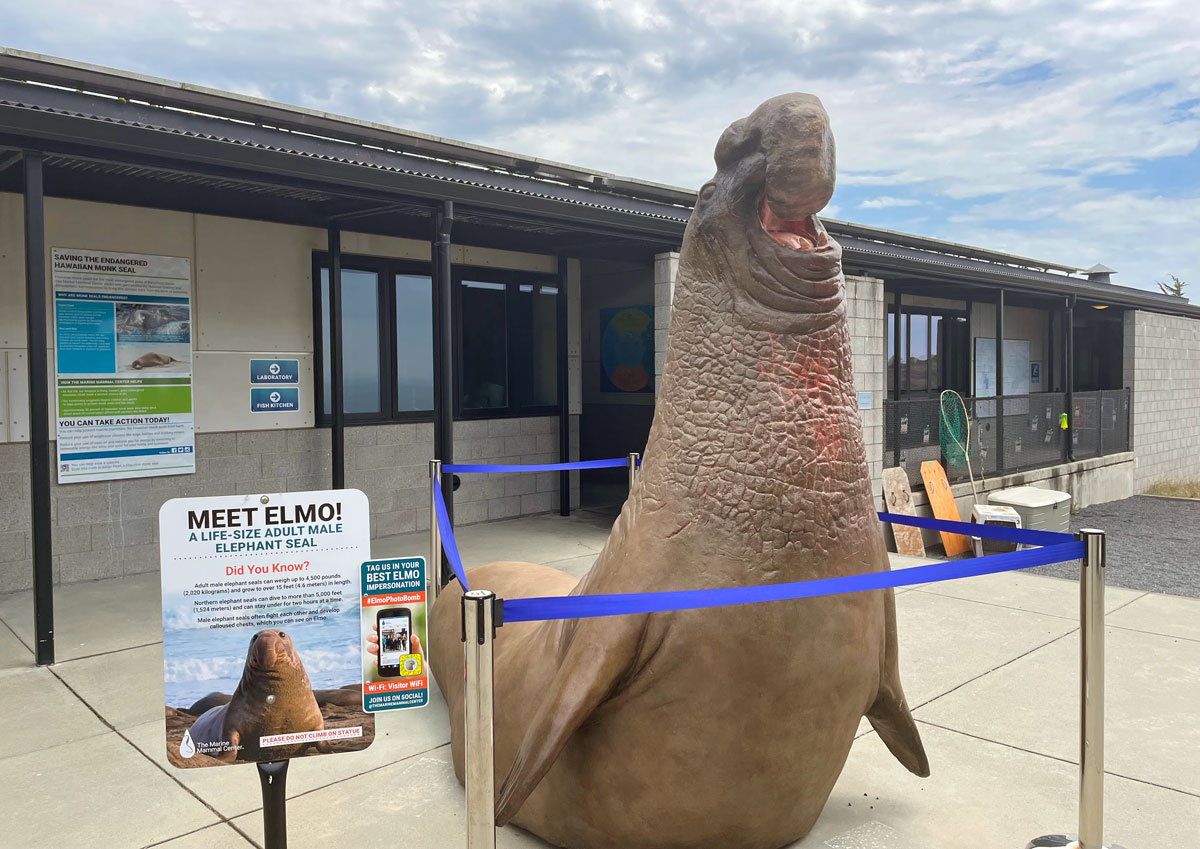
[[1099, 273]]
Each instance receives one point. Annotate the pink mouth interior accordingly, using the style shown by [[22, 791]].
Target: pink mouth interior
[[800, 234]]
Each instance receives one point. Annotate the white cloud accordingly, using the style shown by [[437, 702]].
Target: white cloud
[[995, 116], [886, 202]]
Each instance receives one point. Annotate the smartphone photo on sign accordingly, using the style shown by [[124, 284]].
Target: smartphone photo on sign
[[395, 633]]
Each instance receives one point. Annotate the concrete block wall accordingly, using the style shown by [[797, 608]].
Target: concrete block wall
[[1162, 365], [666, 266], [865, 311], [105, 529]]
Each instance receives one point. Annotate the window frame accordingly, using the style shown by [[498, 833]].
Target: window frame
[[386, 270], [512, 280], [905, 391]]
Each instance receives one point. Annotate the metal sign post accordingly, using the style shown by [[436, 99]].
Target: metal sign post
[[273, 778], [1091, 726], [478, 633]]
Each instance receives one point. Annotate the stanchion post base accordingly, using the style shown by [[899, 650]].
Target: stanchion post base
[[1063, 841]]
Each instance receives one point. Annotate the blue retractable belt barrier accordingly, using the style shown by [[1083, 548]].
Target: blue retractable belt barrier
[[449, 545], [585, 606], [1056, 548], [470, 468], [975, 529]]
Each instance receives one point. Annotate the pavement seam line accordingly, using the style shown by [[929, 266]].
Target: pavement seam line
[[12, 631], [356, 775], [221, 817], [992, 604], [189, 833], [105, 653], [1153, 633], [1056, 758], [995, 669]]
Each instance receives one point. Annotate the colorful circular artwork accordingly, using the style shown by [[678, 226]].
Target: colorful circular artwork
[[627, 350]]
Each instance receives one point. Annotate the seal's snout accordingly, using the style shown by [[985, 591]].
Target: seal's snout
[[801, 159], [269, 647]]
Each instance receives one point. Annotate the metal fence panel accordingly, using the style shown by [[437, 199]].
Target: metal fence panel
[[1032, 433]]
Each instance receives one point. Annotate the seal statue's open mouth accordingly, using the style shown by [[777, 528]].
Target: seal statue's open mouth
[[801, 234]]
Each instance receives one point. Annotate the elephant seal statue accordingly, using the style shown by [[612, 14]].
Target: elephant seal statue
[[721, 727]]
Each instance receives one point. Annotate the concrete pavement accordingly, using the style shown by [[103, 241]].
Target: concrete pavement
[[989, 664]]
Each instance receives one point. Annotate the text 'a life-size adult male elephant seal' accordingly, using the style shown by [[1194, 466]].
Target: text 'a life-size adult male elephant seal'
[[723, 727]]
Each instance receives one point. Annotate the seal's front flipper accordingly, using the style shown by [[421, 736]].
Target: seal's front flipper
[[597, 657], [889, 714]]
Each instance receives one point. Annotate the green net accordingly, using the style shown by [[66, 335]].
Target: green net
[[953, 430]]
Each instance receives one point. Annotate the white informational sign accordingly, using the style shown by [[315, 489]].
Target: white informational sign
[[1016, 375], [123, 365], [262, 653]]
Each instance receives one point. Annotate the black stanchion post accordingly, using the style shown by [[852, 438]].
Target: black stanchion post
[[273, 778]]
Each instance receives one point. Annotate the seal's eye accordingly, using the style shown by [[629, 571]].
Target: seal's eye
[[707, 191], [282, 635]]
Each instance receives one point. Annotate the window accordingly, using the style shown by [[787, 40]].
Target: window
[[506, 326], [928, 338], [387, 340], [508, 343]]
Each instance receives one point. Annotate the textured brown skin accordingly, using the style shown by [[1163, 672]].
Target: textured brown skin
[[272, 667], [725, 727]]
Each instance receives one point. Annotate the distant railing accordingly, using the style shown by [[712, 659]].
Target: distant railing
[[1028, 436]]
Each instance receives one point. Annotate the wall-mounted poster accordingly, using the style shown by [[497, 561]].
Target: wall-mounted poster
[[627, 349], [261, 638], [123, 365]]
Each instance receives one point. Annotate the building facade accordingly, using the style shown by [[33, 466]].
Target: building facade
[[496, 308]]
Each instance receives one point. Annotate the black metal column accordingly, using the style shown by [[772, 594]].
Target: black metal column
[[970, 375], [443, 349], [564, 395], [336, 361], [896, 381], [1069, 375], [1000, 382], [39, 411], [1048, 377]]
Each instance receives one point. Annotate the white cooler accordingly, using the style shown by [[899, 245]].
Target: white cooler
[[1040, 509]]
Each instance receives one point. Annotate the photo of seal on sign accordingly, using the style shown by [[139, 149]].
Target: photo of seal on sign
[[261, 642]]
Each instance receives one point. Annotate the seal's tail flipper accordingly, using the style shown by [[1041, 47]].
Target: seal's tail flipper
[[597, 658], [889, 714]]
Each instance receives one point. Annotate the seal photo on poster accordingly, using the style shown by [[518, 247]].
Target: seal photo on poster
[[153, 359], [274, 696]]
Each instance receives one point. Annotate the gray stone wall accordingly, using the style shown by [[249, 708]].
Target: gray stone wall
[[109, 528], [666, 267], [865, 312], [1162, 364]]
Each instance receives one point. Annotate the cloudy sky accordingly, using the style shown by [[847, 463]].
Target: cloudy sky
[[1058, 130]]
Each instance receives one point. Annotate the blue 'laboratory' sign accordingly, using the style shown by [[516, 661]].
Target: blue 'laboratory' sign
[[281, 400], [274, 371]]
